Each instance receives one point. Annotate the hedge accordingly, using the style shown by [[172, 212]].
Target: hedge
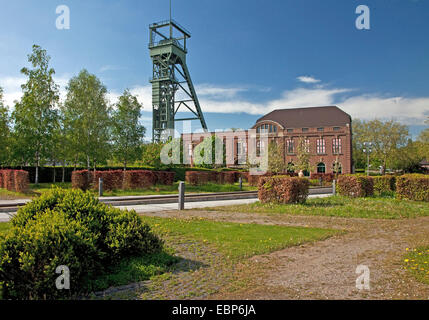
[[204, 177], [326, 177], [283, 189], [119, 179], [355, 186], [68, 228], [140, 179], [384, 184], [413, 187], [14, 180]]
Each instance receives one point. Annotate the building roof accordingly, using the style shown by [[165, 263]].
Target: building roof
[[308, 117]]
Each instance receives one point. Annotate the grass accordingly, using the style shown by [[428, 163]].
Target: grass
[[232, 240], [337, 206], [236, 240], [37, 190], [416, 261]]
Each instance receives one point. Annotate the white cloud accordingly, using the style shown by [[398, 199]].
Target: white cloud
[[110, 68], [220, 99], [308, 79]]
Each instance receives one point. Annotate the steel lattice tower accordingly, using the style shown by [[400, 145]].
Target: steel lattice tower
[[170, 74]]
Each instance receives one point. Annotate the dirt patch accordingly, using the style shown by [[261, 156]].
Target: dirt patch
[[327, 269]]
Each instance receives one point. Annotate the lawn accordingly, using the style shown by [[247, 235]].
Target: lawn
[[37, 190], [416, 261], [232, 240], [337, 206]]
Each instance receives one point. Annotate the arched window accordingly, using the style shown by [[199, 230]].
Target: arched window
[[321, 168]]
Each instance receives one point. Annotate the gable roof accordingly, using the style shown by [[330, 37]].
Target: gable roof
[[308, 117]]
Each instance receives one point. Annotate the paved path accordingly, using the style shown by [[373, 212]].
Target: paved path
[[6, 216]]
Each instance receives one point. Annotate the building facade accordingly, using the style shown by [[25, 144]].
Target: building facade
[[326, 131]]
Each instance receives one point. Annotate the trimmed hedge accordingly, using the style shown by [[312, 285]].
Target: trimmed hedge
[[14, 180], [283, 189], [326, 177], [204, 177], [355, 186], [119, 179], [138, 179], [413, 187], [68, 228], [384, 184]]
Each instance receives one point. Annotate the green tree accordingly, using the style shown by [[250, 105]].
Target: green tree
[[422, 144], [35, 116], [87, 122], [151, 154], [4, 132], [386, 138], [276, 159], [127, 132], [303, 156]]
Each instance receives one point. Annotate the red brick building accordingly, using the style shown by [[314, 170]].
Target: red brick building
[[326, 131]]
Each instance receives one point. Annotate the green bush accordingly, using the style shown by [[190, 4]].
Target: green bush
[[355, 185], [384, 184], [70, 228], [413, 187]]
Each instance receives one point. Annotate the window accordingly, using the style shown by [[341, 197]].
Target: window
[[304, 129], [289, 146], [258, 129], [289, 130], [320, 146], [275, 128], [336, 146], [260, 147], [337, 128], [320, 129], [271, 128], [321, 168]]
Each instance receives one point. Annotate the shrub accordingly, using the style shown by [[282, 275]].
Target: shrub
[[112, 180], [165, 177], [355, 186], [413, 187], [81, 180], [70, 228], [14, 180], [384, 184], [283, 189], [326, 177], [198, 177], [139, 179]]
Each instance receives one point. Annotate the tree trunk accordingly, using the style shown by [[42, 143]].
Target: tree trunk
[[55, 172], [36, 180], [64, 173], [125, 165]]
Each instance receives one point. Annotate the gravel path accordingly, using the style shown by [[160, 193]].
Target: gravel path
[[327, 269]]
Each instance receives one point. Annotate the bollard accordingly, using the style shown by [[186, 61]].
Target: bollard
[[181, 195], [240, 181], [100, 187], [334, 191]]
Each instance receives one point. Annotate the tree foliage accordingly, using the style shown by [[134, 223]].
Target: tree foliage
[[4, 132], [87, 119], [276, 161], [35, 115], [386, 138], [127, 132]]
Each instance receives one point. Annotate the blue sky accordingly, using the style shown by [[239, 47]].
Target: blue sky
[[246, 57]]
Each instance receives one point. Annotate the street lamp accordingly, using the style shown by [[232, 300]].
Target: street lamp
[[367, 150]]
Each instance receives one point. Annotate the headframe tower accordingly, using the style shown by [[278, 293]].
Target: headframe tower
[[167, 45]]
